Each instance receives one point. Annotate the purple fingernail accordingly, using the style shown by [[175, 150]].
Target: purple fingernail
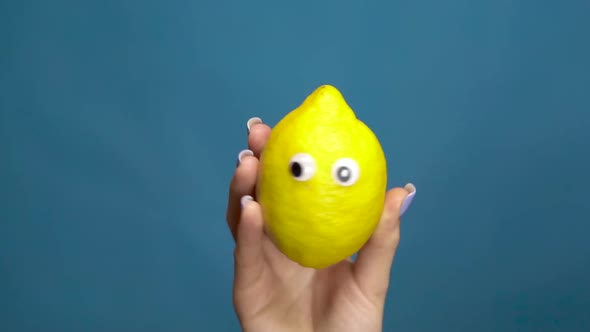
[[252, 122], [245, 199], [243, 154], [408, 201]]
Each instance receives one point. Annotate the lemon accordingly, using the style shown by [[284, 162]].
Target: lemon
[[322, 181]]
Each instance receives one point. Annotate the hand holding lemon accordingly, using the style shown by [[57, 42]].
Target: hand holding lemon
[[305, 196]]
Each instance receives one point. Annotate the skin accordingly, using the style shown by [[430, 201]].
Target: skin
[[272, 293]]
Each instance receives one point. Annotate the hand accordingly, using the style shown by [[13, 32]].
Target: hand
[[272, 293]]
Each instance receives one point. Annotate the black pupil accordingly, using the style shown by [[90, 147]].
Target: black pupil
[[296, 169], [343, 174]]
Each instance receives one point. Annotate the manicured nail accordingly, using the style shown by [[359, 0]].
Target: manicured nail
[[252, 122], [408, 201], [243, 154], [245, 200]]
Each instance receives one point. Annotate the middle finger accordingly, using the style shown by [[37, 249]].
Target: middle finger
[[242, 183]]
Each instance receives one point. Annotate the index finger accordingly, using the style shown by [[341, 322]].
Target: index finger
[[258, 134]]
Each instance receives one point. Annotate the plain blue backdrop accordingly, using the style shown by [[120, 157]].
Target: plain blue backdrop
[[121, 121]]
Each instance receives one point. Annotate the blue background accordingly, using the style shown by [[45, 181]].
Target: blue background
[[121, 121]]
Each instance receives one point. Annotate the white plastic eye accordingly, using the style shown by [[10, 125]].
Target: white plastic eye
[[302, 167], [346, 172]]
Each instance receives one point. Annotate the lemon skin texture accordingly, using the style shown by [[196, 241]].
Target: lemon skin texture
[[322, 181]]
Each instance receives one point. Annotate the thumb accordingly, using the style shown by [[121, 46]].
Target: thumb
[[248, 253], [374, 261]]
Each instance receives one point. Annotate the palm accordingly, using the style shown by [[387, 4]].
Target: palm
[[326, 300], [273, 293]]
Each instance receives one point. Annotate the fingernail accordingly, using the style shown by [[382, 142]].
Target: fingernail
[[252, 122], [408, 201], [243, 154], [245, 200]]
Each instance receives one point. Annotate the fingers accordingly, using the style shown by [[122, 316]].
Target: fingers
[[249, 257], [244, 179], [374, 261], [242, 183], [258, 134]]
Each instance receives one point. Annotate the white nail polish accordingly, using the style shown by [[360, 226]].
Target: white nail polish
[[253, 121], [411, 188], [245, 199], [408, 201], [243, 154]]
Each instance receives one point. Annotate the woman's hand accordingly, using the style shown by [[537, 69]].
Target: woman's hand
[[272, 293]]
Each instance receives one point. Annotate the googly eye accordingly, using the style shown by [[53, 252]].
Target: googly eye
[[346, 172], [302, 167]]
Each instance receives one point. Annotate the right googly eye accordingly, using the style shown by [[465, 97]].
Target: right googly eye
[[346, 171], [302, 167]]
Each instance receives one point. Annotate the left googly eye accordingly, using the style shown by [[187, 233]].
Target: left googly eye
[[302, 167], [346, 171]]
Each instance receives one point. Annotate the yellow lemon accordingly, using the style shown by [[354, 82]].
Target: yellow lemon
[[322, 181]]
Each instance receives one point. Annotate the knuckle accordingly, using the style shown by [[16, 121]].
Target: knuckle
[[391, 239]]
